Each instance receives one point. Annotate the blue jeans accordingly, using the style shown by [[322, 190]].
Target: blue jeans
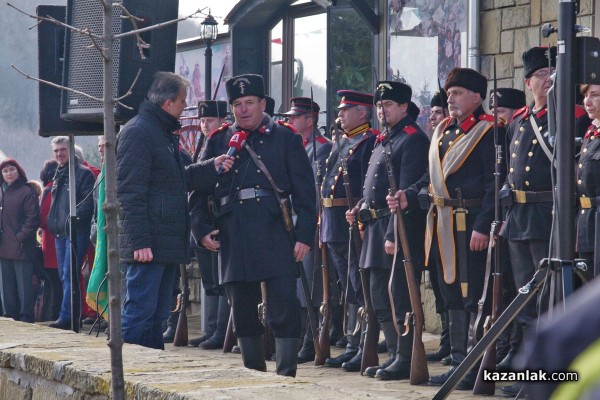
[[63, 248], [147, 303]]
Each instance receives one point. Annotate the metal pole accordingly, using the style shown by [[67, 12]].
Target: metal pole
[[207, 70], [565, 142], [73, 262]]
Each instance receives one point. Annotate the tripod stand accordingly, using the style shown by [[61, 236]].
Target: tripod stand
[[524, 296]]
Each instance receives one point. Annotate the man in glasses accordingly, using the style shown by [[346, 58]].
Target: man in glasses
[[528, 181]]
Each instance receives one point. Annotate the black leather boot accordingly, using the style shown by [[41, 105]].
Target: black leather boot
[[515, 341], [169, 333], [391, 340], [253, 353], [400, 368], [444, 347], [286, 350], [211, 307], [217, 339], [459, 326], [307, 352], [353, 341], [353, 365]]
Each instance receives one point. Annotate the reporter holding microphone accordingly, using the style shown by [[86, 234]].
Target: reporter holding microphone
[[252, 240]]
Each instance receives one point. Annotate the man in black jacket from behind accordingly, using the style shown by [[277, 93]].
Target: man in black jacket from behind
[[154, 221]]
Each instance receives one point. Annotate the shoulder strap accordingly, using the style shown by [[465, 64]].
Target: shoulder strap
[[538, 135], [263, 169]]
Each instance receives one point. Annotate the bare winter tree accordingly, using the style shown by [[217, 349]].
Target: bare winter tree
[[104, 44]]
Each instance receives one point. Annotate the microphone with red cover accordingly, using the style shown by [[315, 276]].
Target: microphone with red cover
[[236, 143]]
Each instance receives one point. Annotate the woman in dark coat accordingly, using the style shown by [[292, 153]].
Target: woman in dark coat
[[588, 181], [19, 221]]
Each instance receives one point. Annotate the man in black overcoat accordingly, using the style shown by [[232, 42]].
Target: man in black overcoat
[[303, 115], [404, 145], [253, 243], [458, 191], [356, 143]]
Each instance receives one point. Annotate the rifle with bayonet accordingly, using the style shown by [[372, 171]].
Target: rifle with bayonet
[[489, 358], [419, 372], [183, 298], [324, 310], [370, 357]]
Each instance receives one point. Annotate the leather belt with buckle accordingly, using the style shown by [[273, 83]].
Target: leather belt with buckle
[[329, 202], [444, 202], [246, 194], [522, 197], [588, 202], [370, 214]]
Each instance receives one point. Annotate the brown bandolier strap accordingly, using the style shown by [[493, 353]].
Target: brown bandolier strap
[[588, 202], [444, 202], [522, 197], [246, 194], [329, 202]]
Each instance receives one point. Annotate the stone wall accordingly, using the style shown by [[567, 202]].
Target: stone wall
[[509, 27]]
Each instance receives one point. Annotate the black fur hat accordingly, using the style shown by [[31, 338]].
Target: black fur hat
[[439, 99], [469, 79], [391, 90], [245, 85], [537, 58], [508, 98], [212, 108]]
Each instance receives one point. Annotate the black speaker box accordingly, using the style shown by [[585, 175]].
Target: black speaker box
[[51, 44], [588, 60], [83, 68]]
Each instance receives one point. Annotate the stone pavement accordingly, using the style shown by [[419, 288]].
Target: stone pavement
[[77, 366]]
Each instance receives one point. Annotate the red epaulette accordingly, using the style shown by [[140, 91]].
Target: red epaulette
[[290, 127], [321, 139], [490, 118], [410, 129], [522, 110], [375, 132], [222, 128], [579, 111]]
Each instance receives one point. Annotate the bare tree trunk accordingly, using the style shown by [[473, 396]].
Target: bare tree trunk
[[111, 209]]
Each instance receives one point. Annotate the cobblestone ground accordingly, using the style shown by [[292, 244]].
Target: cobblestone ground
[[82, 361]]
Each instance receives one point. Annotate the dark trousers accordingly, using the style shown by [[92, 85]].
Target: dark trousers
[[338, 254], [283, 307], [17, 289], [525, 256], [378, 282]]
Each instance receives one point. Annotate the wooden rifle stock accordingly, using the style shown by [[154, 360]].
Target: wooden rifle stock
[[262, 313], [325, 311], [230, 339], [418, 366], [181, 332], [370, 358], [419, 372], [489, 358]]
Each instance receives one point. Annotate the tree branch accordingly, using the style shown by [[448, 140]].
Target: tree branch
[[54, 84], [160, 25]]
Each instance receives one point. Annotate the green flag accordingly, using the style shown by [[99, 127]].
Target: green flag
[[97, 289]]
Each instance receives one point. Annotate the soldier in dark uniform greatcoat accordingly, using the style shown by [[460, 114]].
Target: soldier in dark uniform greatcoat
[[460, 179], [507, 101], [253, 243], [212, 115], [588, 182], [407, 146], [356, 144], [304, 117], [529, 179]]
